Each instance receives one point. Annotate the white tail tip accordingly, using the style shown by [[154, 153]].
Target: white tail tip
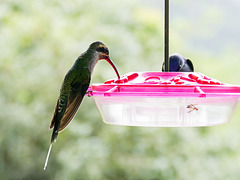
[[46, 162]]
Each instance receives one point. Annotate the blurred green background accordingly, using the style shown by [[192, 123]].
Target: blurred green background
[[39, 42]]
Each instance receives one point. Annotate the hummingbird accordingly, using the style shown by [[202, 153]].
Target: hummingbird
[[178, 63], [74, 88]]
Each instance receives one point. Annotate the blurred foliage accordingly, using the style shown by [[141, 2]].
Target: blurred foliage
[[40, 40]]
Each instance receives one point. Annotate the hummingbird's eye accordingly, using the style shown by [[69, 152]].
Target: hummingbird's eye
[[103, 50]]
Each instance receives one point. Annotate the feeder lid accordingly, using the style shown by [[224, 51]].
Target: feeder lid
[[165, 84]]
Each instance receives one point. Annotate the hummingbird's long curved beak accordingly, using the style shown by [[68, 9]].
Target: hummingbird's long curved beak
[[112, 64]]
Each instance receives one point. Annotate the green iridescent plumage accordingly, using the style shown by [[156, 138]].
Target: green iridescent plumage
[[74, 87]]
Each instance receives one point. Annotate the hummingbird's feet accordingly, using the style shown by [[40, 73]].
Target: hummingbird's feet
[[89, 93]]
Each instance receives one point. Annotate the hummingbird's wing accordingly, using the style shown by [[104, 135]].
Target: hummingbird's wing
[[78, 88]]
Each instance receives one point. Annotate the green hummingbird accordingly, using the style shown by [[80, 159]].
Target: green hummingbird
[[74, 88]]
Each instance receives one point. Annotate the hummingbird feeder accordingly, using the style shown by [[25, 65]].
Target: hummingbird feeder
[[165, 99]]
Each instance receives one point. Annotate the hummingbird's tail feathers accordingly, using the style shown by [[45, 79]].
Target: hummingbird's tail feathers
[[48, 154], [54, 136]]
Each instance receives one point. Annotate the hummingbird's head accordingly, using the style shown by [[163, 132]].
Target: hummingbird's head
[[100, 50], [103, 54]]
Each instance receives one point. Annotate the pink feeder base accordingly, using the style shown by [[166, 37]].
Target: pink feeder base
[[165, 99]]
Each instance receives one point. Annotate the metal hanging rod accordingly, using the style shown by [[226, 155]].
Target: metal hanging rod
[[166, 36]]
